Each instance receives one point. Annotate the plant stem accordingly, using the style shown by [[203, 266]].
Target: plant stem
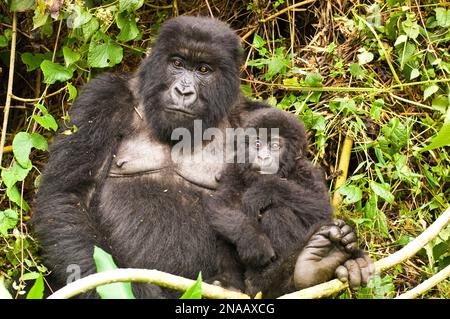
[[287, 9], [344, 161], [10, 85]]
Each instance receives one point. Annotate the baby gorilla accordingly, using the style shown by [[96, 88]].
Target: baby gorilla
[[269, 202]]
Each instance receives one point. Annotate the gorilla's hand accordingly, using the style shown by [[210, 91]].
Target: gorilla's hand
[[256, 253], [327, 253]]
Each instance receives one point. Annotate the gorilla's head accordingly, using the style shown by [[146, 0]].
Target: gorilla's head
[[280, 140], [191, 74]]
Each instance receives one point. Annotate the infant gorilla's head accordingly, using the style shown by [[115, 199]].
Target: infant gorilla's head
[[278, 139]]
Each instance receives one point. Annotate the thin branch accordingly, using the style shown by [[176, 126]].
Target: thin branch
[[427, 284], [287, 9], [28, 100], [10, 85], [344, 162], [335, 285], [142, 275]]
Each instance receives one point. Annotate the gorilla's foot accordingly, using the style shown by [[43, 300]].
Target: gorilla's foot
[[327, 254]]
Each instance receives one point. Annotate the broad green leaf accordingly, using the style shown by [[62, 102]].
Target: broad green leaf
[[130, 5], [72, 91], [119, 290], [90, 28], [70, 56], [4, 293], [442, 17], [34, 61], [39, 19], [429, 91], [411, 28], [37, 291], [195, 291], [54, 72], [39, 142], [47, 121], [352, 194], [291, 81], [8, 220], [16, 173], [78, 17], [364, 56], [21, 5], [382, 190], [414, 74], [395, 136], [30, 276], [375, 110], [21, 146], [401, 39], [127, 25], [441, 139], [14, 196], [103, 52], [4, 42], [313, 79], [258, 42], [356, 71]]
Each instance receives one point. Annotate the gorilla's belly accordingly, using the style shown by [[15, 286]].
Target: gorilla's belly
[[146, 216]]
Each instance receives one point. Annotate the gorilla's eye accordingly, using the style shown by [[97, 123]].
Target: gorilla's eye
[[275, 146], [204, 69], [177, 63]]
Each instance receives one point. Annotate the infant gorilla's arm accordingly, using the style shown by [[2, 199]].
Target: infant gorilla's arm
[[228, 220]]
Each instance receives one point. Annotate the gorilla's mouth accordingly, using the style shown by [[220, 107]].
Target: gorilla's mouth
[[180, 111]]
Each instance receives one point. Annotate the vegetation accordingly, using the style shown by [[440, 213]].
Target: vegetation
[[375, 74]]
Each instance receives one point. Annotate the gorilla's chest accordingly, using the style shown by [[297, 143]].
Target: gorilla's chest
[[142, 156]]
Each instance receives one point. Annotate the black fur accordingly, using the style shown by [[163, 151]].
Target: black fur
[[269, 216]]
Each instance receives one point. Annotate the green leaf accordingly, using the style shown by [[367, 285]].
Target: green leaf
[[30, 276], [34, 61], [21, 5], [72, 91], [47, 121], [16, 173], [352, 193], [442, 17], [401, 39], [4, 42], [375, 110], [313, 79], [258, 42], [441, 103], [195, 291], [396, 136], [70, 56], [37, 291], [39, 142], [383, 191], [4, 293], [90, 28], [21, 148], [39, 19], [429, 91], [8, 220], [14, 196], [411, 28], [119, 290], [130, 5], [127, 25], [441, 139], [356, 71], [103, 52], [54, 72], [78, 17], [364, 56]]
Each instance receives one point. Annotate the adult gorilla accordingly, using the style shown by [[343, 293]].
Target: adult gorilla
[[115, 184]]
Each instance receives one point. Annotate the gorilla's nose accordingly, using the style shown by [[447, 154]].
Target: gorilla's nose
[[183, 94]]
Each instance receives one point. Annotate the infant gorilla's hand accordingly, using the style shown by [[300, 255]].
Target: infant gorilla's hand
[[257, 252], [328, 253]]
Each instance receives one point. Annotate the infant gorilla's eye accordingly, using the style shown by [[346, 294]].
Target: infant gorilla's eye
[[177, 63], [203, 69]]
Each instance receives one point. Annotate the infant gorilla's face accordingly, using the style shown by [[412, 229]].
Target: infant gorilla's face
[[265, 154]]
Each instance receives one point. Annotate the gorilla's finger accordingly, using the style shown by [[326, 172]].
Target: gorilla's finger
[[346, 229], [342, 273], [339, 222], [349, 238], [352, 247], [370, 264], [365, 274], [330, 232], [354, 273]]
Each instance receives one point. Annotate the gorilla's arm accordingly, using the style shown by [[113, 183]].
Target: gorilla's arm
[[64, 222]]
